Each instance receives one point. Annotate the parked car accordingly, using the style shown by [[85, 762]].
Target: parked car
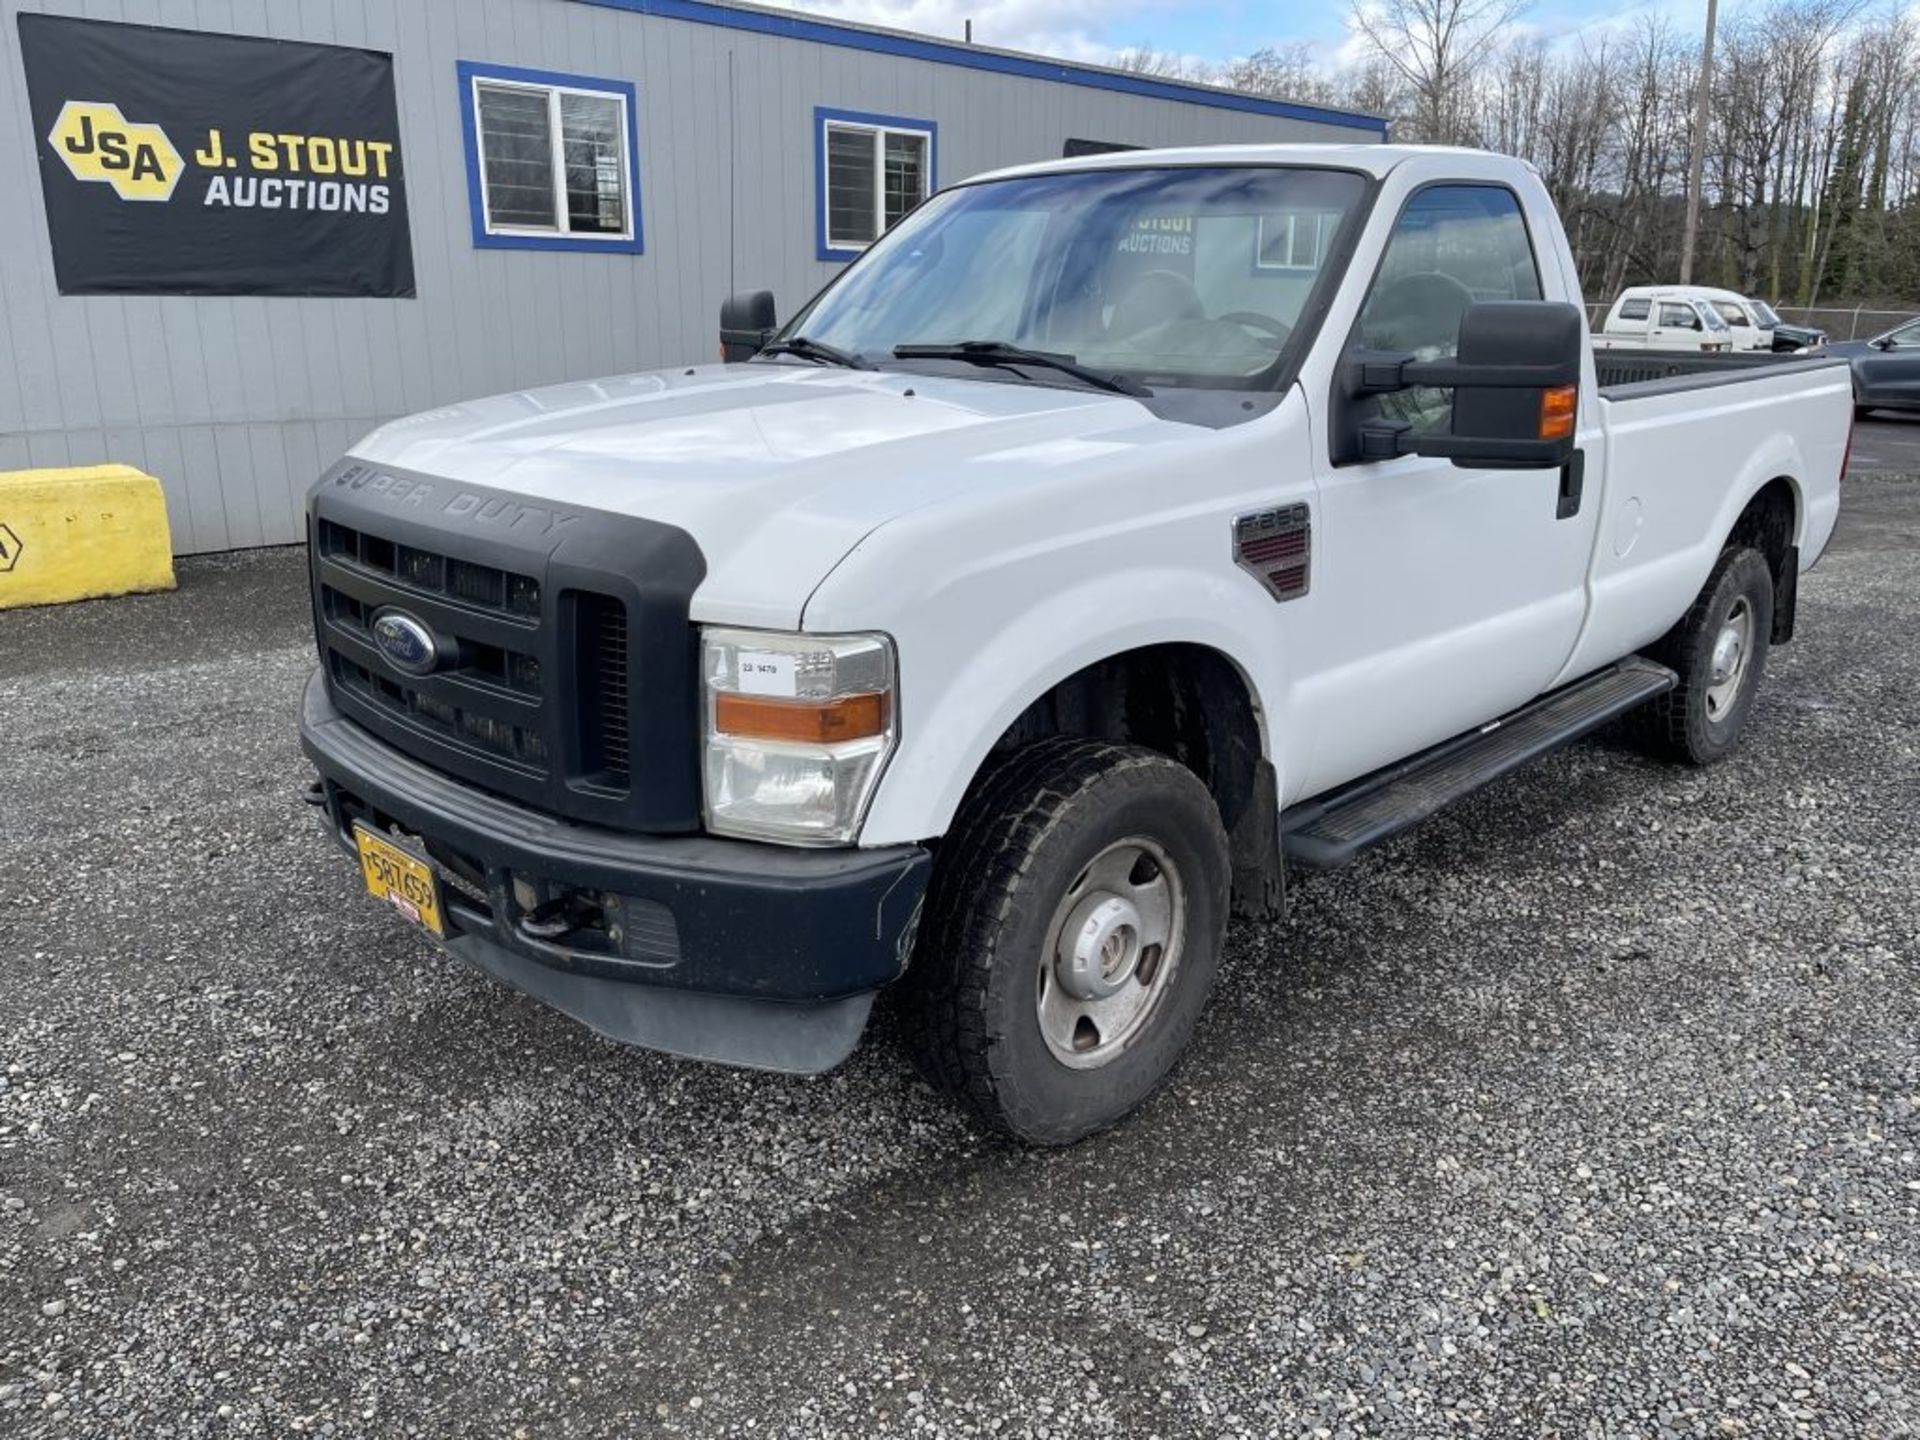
[[1886, 369], [1752, 324], [1788, 337], [1112, 536], [1666, 318]]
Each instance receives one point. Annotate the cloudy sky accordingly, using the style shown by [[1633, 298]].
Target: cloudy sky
[[1207, 29]]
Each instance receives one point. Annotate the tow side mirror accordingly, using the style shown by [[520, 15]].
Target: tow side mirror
[[746, 324], [1515, 383]]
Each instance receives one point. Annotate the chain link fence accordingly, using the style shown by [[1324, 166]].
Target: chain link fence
[[1844, 324], [1841, 322]]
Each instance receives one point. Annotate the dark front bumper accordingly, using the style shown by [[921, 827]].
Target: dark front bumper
[[721, 949]]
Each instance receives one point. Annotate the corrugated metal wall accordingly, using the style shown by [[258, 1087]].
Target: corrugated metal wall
[[237, 403]]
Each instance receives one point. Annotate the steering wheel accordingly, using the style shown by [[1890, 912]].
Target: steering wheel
[[1266, 324], [1418, 311]]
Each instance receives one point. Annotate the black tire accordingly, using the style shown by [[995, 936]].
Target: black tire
[[1027, 833], [1861, 412], [1682, 724]]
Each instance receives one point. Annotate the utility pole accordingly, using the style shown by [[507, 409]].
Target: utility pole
[[1697, 165]]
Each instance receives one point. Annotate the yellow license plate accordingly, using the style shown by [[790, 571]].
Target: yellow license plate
[[403, 880]]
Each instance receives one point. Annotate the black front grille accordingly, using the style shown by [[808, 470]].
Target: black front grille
[[521, 745], [606, 729], [512, 668], [485, 697], [562, 653], [428, 573]]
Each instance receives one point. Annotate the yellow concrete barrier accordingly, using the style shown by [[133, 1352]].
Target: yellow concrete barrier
[[74, 534]]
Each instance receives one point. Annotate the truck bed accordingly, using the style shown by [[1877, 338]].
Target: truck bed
[[1632, 374], [1688, 438]]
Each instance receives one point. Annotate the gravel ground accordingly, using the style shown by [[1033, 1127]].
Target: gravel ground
[[1589, 1109]]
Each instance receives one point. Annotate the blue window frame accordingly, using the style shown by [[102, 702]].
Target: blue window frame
[[869, 170], [553, 160]]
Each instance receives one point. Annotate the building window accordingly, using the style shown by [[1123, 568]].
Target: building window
[[1295, 241], [551, 160], [872, 169]]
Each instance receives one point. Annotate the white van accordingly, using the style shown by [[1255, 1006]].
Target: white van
[[1686, 317]]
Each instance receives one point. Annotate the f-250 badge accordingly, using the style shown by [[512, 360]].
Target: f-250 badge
[[1276, 548]]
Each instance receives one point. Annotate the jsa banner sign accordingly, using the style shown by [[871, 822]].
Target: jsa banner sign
[[177, 162]]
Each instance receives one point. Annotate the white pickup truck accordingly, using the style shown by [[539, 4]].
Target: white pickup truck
[[1115, 534]]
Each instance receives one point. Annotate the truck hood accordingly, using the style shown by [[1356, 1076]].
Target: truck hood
[[777, 471]]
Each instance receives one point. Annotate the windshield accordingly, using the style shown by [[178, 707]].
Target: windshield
[[1712, 317], [1729, 312], [1768, 316], [1184, 277]]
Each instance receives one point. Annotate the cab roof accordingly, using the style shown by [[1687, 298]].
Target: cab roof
[[1374, 160]]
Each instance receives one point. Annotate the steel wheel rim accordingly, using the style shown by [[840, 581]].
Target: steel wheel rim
[[1112, 952], [1727, 663]]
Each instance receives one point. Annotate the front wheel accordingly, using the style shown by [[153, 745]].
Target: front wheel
[[1719, 651], [1071, 935]]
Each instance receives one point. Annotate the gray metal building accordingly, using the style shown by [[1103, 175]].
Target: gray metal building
[[584, 180]]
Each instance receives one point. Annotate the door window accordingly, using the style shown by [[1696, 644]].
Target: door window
[[1907, 337], [1452, 245], [1678, 317]]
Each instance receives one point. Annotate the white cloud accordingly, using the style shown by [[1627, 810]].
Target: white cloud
[[1067, 29]]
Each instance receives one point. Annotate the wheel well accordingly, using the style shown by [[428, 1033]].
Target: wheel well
[[1186, 701], [1768, 525], [1192, 705], [1768, 522]]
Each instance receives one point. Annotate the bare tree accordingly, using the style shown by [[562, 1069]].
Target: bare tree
[[1437, 47], [1811, 183], [1147, 61], [1285, 71]]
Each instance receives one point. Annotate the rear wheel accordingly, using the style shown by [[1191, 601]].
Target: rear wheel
[[1719, 651], [1071, 935]]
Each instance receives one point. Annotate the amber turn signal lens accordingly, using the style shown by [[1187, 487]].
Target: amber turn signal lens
[[1556, 412], [817, 722]]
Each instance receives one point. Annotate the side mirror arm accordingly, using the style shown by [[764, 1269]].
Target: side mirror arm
[[1390, 439], [1384, 372]]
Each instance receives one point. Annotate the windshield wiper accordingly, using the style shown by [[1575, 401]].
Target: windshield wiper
[[817, 350], [998, 352]]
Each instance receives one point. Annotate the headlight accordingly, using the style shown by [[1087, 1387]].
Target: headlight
[[798, 728]]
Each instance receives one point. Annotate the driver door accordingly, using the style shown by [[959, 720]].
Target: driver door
[[1448, 596], [1677, 326]]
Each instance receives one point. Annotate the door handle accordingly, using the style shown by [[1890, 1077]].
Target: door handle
[[1573, 479]]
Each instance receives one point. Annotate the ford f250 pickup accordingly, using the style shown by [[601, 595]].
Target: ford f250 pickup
[[1115, 535]]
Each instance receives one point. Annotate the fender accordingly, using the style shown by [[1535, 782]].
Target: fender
[[1092, 547], [951, 720]]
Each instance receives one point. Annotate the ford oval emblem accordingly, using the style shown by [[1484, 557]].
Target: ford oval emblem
[[406, 643]]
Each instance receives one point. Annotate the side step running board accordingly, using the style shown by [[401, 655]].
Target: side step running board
[[1331, 829]]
